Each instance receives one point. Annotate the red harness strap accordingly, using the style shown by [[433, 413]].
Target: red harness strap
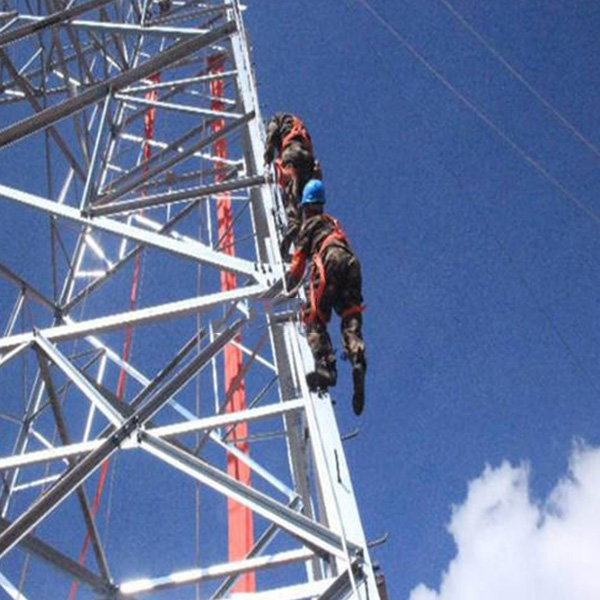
[[315, 295], [298, 132], [353, 310], [283, 175]]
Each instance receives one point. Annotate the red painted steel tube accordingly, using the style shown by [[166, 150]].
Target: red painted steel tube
[[241, 529]]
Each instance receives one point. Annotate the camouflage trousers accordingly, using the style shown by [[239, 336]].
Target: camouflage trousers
[[343, 294], [297, 168]]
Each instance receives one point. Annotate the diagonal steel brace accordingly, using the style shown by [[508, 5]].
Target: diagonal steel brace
[[73, 478]]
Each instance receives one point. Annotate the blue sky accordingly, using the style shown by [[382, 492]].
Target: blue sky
[[474, 209]]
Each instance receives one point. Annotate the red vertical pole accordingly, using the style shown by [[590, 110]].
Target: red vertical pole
[[241, 531]]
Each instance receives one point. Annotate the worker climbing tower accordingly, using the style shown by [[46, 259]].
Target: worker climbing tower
[[157, 437]]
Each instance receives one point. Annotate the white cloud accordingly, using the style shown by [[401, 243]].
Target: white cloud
[[512, 548]]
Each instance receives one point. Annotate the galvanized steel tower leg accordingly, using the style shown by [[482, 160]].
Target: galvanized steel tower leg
[[141, 245]]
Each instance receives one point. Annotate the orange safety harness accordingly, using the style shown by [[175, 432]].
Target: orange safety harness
[[337, 236], [283, 175], [299, 133]]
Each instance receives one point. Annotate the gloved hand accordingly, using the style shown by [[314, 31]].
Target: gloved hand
[[290, 281], [285, 247], [269, 155]]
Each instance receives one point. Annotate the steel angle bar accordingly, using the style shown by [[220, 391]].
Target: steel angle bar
[[97, 399], [190, 249], [42, 456], [142, 167], [64, 436], [224, 420], [197, 575], [179, 108], [10, 589], [53, 19], [256, 357], [26, 88], [150, 386], [313, 534], [330, 465], [180, 156], [139, 114], [135, 318], [188, 194], [10, 418], [191, 426], [109, 26], [84, 68], [77, 449], [12, 16], [210, 426], [63, 488], [254, 465], [27, 287], [114, 357], [86, 291], [31, 410], [257, 549], [50, 65], [93, 163], [323, 466], [178, 82], [233, 386], [63, 563], [114, 84], [73, 478], [14, 313], [341, 587], [4, 358], [210, 423], [163, 393], [198, 173], [36, 483], [120, 60], [189, 10], [175, 177]]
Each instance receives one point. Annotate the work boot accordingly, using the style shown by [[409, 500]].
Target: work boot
[[359, 369], [323, 377]]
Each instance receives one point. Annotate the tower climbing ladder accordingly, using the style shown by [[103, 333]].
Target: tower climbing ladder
[[157, 437]]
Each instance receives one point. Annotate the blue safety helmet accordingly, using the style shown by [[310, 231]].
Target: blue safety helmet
[[313, 193]]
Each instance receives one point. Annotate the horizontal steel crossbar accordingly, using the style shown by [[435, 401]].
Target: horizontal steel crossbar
[[178, 196], [73, 478], [188, 248], [206, 424], [134, 318], [53, 19], [99, 91], [219, 570]]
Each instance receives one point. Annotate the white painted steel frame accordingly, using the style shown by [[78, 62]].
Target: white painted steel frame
[[209, 423], [188, 249], [98, 139]]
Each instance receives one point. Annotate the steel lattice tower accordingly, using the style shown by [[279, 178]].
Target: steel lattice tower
[[157, 437]]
